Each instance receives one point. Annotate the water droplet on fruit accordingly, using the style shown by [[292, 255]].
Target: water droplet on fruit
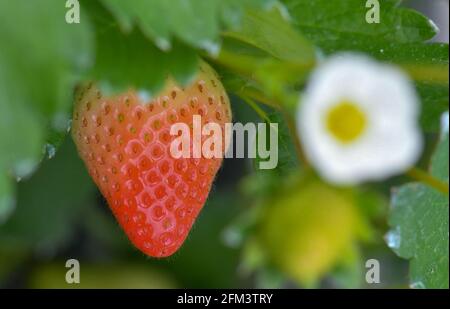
[[144, 96]]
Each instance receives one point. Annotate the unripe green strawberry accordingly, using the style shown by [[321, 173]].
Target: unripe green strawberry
[[309, 230], [125, 144]]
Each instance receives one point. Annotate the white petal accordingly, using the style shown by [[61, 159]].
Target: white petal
[[392, 141]]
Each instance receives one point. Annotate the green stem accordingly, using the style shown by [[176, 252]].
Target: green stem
[[257, 96], [262, 114], [422, 176]]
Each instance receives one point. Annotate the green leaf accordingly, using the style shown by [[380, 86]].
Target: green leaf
[[420, 226], [48, 202], [131, 60], [195, 22], [324, 20], [268, 49], [271, 33], [434, 103], [40, 59]]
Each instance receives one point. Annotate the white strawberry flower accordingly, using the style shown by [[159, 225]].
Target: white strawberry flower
[[358, 120]]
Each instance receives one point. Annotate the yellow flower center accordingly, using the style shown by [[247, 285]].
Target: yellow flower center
[[346, 122]]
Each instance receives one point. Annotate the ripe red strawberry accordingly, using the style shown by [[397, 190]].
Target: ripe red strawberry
[[125, 144]]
